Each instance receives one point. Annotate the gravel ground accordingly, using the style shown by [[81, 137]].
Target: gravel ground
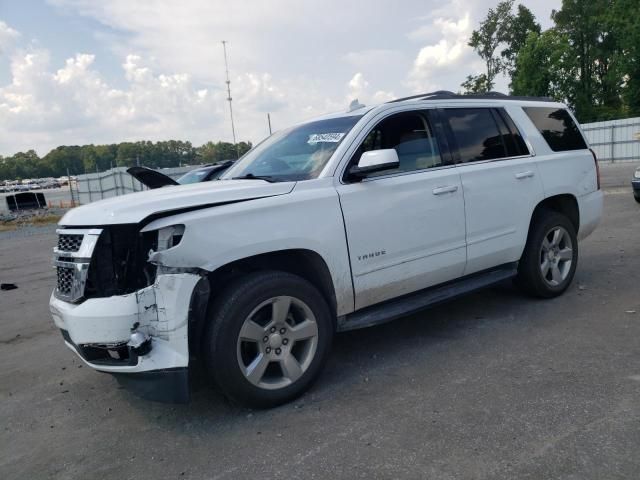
[[491, 386]]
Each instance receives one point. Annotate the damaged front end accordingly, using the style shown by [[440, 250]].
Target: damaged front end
[[124, 314]]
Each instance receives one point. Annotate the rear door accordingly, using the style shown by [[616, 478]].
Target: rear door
[[405, 227], [500, 182]]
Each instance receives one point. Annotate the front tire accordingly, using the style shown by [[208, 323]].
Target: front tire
[[269, 336], [550, 257], [636, 196]]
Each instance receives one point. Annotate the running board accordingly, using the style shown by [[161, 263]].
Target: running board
[[414, 302]]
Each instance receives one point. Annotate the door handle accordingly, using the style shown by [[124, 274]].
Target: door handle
[[527, 174], [447, 189]]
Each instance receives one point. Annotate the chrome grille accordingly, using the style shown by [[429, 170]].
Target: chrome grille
[[71, 259], [65, 280], [69, 242]]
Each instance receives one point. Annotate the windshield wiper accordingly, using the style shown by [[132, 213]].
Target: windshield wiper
[[251, 176]]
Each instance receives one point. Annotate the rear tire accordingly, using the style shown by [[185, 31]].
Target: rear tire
[[550, 257], [268, 338]]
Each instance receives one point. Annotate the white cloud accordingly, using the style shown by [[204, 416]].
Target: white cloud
[[7, 36], [292, 59], [74, 104], [44, 107], [358, 84], [445, 56], [359, 89]]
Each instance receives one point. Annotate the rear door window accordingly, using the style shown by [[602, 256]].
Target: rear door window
[[557, 128], [476, 134]]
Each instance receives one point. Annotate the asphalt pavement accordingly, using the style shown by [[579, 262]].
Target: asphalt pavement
[[491, 386]]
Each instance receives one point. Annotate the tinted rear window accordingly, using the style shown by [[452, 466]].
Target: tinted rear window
[[557, 127], [476, 134]]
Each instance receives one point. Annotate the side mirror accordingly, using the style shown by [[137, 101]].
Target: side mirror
[[374, 161]]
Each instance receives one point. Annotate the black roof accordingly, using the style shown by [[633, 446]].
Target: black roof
[[446, 94]]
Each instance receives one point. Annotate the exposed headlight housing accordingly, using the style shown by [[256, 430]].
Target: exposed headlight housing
[[169, 237]]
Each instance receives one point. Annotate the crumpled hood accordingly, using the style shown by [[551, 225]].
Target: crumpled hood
[[135, 207]]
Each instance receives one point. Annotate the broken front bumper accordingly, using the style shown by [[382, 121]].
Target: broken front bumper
[[100, 331]]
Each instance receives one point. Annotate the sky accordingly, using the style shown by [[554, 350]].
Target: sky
[[76, 72]]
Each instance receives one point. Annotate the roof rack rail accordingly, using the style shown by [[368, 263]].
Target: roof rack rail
[[438, 93], [446, 94]]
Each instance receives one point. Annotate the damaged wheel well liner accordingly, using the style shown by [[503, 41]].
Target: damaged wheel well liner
[[304, 263]]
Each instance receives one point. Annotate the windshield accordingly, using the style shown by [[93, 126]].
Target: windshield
[[299, 153], [194, 176]]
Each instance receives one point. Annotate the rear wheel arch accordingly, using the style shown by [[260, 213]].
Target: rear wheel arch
[[552, 247], [566, 204]]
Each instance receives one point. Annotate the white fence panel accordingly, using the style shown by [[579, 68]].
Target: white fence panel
[[114, 182], [615, 140]]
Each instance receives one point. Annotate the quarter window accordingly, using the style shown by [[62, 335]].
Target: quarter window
[[411, 135], [511, 137], [557, 128], [476, 134]]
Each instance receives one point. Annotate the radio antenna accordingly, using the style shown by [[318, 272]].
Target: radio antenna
[[226, 68]]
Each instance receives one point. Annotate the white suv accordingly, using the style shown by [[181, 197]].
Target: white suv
[[338, 223]]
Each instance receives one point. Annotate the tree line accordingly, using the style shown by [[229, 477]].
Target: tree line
[[589, 58], [91, 158]]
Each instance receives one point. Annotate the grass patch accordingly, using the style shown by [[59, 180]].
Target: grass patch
[[29, 221]]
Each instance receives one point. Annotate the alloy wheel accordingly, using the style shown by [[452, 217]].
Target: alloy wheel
[[277, 342], [556, 256]]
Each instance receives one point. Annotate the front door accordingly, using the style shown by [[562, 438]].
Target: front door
[[405, 227]]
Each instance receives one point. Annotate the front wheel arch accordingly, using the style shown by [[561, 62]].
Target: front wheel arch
[[304, 263], [225, 319]]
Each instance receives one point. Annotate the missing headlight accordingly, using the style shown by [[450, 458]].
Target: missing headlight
[[119, 262], [169, 237]]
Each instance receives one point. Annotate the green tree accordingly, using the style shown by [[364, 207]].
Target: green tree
[[514, 36], [622, 18], [486, 42], [215, 152], [476, 84], [65, 158], [545, 67], [596, 92], [89, 158]]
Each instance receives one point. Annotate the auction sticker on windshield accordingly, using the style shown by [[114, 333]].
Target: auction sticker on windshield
[[325, 138]]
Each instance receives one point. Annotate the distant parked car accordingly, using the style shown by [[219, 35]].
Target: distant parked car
[[635, 184], [50, 184], [155, 179]]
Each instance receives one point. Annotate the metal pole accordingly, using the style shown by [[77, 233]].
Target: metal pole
[[269, 122], [226, 68], [70, 189], [100, 185], [613, 138]]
